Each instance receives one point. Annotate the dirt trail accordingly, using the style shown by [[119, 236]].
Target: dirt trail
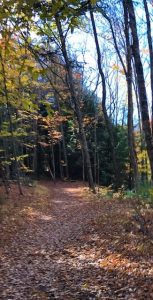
[[59, 242]]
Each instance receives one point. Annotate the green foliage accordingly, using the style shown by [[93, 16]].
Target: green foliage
[[129, 194], [145, 191]]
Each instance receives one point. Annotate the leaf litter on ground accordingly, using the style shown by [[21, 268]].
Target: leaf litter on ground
[[61, 242]]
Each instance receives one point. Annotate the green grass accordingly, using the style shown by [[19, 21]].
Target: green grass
[[144, 192]]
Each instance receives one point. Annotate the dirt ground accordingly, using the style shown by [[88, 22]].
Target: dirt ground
[[61, 242]]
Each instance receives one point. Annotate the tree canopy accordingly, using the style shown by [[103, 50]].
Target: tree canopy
[[61, 117]]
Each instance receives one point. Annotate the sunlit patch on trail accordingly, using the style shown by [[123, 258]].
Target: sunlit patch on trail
[[31, 213], [113, 261]]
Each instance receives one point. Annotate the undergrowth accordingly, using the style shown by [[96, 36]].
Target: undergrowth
[[143, 193]]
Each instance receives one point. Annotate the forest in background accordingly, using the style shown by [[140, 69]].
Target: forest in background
[[61, 119]]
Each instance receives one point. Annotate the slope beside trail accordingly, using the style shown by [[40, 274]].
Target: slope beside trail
[[60, 242]]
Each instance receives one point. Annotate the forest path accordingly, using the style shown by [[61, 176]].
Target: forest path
[[61, 242]]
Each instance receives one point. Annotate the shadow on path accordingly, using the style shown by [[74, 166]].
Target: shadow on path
[[68, 245]]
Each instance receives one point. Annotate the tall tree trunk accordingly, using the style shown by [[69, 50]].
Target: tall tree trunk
[[107, 120], [150, 43], [131, 143], [60, 160], [128, 73], [95, 150], [142, 141], [35, 150], [141, 83], [53, 160], [63, 138], [76, 103], [83, 165], [4, 180], [135, 85]]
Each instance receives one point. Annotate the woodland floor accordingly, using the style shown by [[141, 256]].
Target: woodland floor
[[61, 242]]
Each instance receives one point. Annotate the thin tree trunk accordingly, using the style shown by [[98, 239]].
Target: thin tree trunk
[[141, 83], [123, 117], [6, 155], [142, 142], [64, 152], [107, 120], [150, 43], [53, 160], [60, 161], [63, 138], [83, 166], [128, 74], [131, 143], [135, 85], [95, 152], [4, 180], [35, 150], [98, 171], [76, 103]]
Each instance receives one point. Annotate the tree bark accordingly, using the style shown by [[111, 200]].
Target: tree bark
[[107, 120], [141, 83], [63, 138], [60, 161], [149, 36], [76, 103], [131, 143], [53, 160], [128, 73]]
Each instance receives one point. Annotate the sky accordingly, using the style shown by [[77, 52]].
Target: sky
[[80, 41], [83, 45]]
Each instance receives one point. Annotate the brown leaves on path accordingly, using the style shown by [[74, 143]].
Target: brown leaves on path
[[60, 242]]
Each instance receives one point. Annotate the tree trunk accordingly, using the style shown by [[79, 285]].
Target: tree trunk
[[128, 73], [141, 83], [83, 165], [107, 120], [95, 150], [60, 161], [76, 103], [149, 36], [53, 160], [131, 143], [63, 139]]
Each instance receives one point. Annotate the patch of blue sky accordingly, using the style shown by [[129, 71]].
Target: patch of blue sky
[[82, 43]]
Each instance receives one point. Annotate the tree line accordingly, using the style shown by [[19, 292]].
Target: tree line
[[52, 122]]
